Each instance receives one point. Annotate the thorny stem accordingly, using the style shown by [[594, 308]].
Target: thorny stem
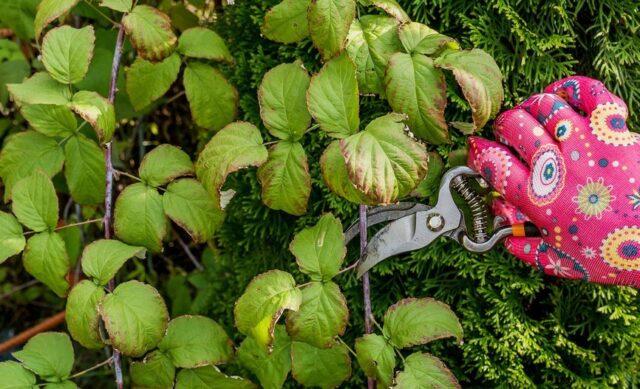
[[108, 200], [366, 291]]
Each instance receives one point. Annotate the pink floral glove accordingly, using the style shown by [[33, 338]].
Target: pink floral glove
[[576, 176]]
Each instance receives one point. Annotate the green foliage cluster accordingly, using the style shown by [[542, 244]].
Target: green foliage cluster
[[521, 329]]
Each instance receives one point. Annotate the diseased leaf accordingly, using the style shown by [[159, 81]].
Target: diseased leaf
[[420, 39], [235, 147], [480, 79], [50, 10], [320, 367], [135, 318], [139, 217], [413, 321], [212, 99], [163, 164], [332, 98], [193, 341], [150, 32], [383, 161], [417, 88], [102, 259], [206, 377], [334, 172], [264, 300], [50, 120], [393, 9], [200, 42], [323, 315], [40, 88], [25, 153], [376, 357], [84, 170], [283, 104], [285, 179], [320, 250], [67, 52], [148, 81], [287, 21], [118, 5], [155, 371], [272, 368], [97, 111], [371, 41], [14, 376], [329, 22], [424, 371], [82, 314], [45, 257], [12, 240], [190, 206], [35, 203], [49, 355]]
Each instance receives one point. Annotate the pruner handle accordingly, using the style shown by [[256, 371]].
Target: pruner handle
[[521, 230]]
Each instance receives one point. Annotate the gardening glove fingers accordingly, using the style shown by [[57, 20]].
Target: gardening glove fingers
[[580, 185]]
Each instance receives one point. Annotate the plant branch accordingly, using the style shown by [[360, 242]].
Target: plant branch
[[347, 346], [366, 288], [101, 13], [105, 362], [50, 323], [187, 251], [19, 288]]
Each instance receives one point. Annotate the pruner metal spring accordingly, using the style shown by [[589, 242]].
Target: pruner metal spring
[[477, 206]]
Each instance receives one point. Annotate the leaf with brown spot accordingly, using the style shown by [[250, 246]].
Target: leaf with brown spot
[[329, 22], [424, 371], [150, 32]]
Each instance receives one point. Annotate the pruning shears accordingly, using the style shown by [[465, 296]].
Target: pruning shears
[[412, 226]]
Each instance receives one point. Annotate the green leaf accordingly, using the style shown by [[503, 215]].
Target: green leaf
[[283, 104], [139, 217], [150, 32], [148, 81], [135, 317], [320, 250], [287, 21], [431, 183], [19, 16], [480, 79], [118, 5], [336, 176], [321, 367], [84, 170], [329, 22], [424, 371], [271, 369], [393, 9], [14, 376], [102, 259], [11, 72], [25, 153], [40, 89], [67, 52], [420, 39], [45, 257], [50, 10], [35, 203], [414, 321], [417, 88], [323, 315], [61, 385], [285, 179], [212, 99], [73, 241], [49, 355], [50, 120], [155, 371], [206, 377], [193, 341], [376, 357], [332, 98], [200, 42], [371, 41], [237, 146], [264, 300], [163, 164], [12, 240], [97, 111], [190, 206], [82, 316], [383, 161]]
